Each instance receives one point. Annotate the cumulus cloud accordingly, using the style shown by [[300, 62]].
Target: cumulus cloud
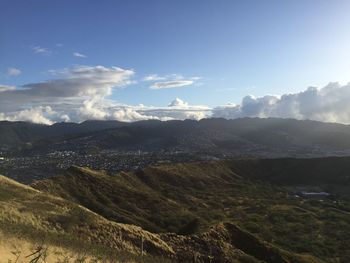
[[65, 118], [91, 109], [81, 93], [329, 104], [81, 90], [79, 55], [39, 115], [178, 110], [164, 114], [129, 114], [178, 103], [13, 72]]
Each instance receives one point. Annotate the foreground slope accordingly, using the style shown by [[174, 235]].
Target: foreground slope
[[35, 221], [191, 198], [39, 217]]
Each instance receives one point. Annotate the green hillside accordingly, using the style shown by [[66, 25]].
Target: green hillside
[[193, 197], [35, 223]]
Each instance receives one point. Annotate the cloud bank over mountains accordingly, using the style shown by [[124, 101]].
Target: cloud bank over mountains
[[81, 93], [328, 104]]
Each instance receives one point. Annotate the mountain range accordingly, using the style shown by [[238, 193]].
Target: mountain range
[[247, 136]]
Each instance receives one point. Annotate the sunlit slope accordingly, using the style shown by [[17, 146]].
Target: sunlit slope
[[29, 213]]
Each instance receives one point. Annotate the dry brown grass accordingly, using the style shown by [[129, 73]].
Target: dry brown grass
[[28, 216], [21, 250]]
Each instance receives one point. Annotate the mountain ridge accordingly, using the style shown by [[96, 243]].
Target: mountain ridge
[[245, 136]]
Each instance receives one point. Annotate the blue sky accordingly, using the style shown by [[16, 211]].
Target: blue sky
[[235, 47]]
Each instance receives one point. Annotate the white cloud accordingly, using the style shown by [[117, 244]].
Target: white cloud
[[81, 81], [329, 104], [41, 50], [79, 55], [107, 110], [177, 114], [13, 72], [79, 91], [172, 84], [39, 115], [65, 118], [178, 103], [6, 88], [179, 110], [92, 110], [169, 81], [129, 114]]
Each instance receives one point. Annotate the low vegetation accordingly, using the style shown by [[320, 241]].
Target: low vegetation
[[31, 217], [45, 228], [176, 198]]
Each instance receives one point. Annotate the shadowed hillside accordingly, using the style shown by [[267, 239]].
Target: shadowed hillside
[[59, 229], [327, 172], [177, 198]]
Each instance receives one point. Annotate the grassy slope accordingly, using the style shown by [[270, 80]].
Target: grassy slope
[[14, 249], [169, 197], [123, 198], [30, 217], [39, 217]]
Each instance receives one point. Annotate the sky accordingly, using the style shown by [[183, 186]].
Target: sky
[[159, 59]]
